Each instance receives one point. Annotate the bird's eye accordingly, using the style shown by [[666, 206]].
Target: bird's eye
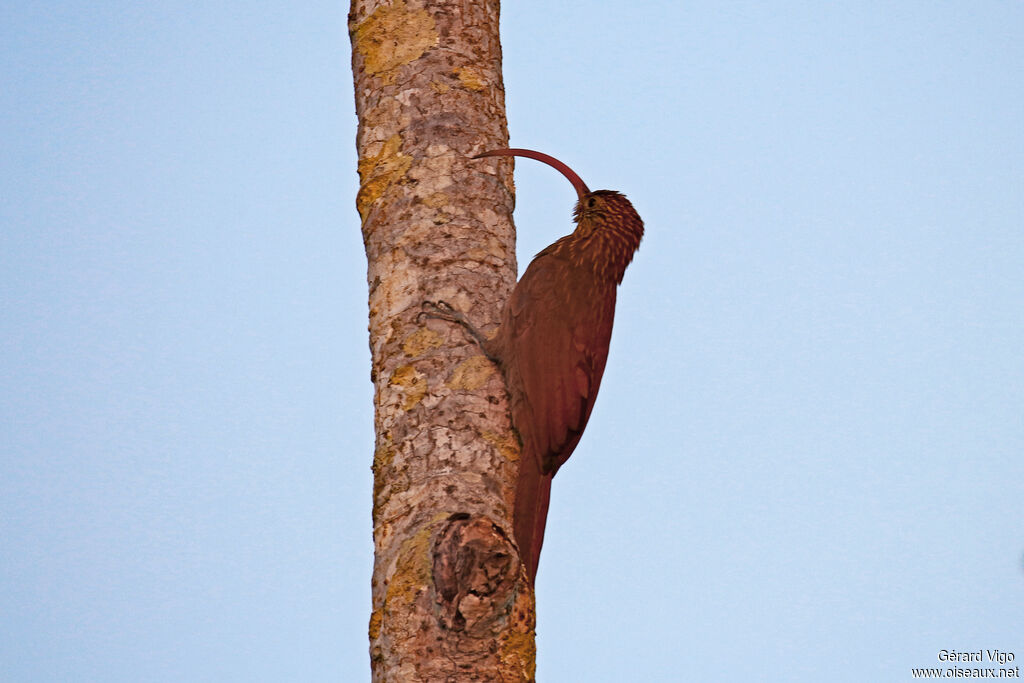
[[591, 202]]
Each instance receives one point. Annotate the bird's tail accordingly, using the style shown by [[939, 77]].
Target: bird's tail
[[533, 493]]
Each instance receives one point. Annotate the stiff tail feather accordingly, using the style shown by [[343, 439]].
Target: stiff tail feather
[[533, 493]]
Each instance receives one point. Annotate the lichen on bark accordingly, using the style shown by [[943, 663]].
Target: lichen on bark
[[450, 601]]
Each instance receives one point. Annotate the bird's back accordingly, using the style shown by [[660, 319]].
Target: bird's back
[[552, 345]]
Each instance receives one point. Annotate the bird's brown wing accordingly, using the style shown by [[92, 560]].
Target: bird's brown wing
[[558, 334], [553, 343]]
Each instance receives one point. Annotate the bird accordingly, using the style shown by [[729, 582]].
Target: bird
[[551, 344]]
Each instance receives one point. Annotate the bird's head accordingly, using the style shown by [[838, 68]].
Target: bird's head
[[601, 209], [593, 208], [606, 222]]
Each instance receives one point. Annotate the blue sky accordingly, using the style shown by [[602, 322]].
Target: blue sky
[[805, 463]]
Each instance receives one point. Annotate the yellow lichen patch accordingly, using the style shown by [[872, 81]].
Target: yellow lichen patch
[[506, 444], [384, 454], [412, 569], [437, 200], [487, 250], [392, 36], [440, 201], [470, 78], [412, 382], [471, 374], [412, 572], [519, 650], [378, 172], [382, 458], [421, 341], [376, 618], [440, 88]]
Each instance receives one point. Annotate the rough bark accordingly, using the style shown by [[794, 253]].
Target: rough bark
[[450, 599]]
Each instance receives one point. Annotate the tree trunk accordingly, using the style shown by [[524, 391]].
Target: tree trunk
[[451, 601]]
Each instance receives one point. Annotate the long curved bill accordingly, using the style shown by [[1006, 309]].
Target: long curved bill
[[577, 182]]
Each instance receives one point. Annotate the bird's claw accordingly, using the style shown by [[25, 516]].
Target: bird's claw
[[436, 309], [442, 310]]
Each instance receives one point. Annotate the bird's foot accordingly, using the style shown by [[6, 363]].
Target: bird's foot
[[442, 310]]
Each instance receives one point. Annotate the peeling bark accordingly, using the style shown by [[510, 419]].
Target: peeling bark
[[450, 599]]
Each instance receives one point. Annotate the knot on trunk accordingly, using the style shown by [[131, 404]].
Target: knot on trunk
[[475, 573]]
